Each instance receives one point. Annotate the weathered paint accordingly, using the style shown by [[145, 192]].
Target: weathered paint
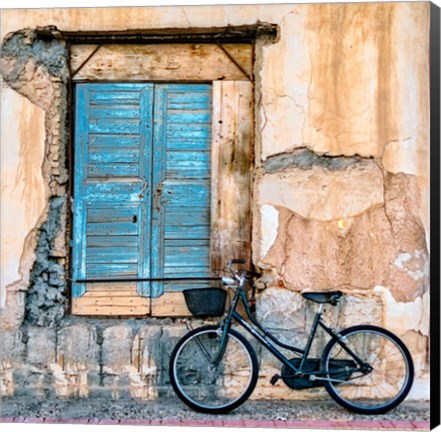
[[23, 187], [142, 184], [232, 171], [113, 149], [182, 180], [163, 62]]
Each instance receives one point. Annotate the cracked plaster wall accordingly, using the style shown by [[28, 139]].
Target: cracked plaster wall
[[341, 143]]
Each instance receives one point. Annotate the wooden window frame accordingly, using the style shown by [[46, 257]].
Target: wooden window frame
[[232, 165]]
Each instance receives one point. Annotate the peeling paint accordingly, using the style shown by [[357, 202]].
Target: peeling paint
[[270, 223], [415, 264], [400, 317]]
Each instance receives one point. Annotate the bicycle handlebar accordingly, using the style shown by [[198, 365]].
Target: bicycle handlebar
[[244, 273]]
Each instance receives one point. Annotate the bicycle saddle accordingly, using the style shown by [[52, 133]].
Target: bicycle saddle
[[323, 297]]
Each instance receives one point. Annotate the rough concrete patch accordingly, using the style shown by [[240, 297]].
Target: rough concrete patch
[[46, 297], [19, 47], [306, 159]]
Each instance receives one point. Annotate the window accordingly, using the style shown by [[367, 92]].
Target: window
[[162, 177]]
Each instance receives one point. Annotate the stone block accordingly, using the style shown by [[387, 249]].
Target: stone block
[[117, 348], [41, 346], [279, 308], [283, 314], [115, 380], [357, 310], [77, 343], [6, 379], [32, 381], [149, 349], [254, 343], [94, 378], [99, 393], [169, 339], [11, 346]]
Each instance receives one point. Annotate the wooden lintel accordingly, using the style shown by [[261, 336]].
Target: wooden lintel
[[230, 34]]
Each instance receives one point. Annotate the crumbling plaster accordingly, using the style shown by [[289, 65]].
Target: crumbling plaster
[[341, 143], [36, 69]]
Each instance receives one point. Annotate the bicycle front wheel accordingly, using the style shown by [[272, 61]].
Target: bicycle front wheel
[[212, 387], [385, 380]]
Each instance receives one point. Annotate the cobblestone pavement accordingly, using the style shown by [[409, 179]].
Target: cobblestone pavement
[[267, 414]]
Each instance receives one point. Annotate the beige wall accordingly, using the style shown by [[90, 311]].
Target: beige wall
[[344, 80]]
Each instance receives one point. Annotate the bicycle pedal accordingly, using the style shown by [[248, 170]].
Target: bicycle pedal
[[274, 379]]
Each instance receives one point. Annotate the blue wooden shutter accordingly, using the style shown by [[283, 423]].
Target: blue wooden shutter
[[181, 183], [112, 213]]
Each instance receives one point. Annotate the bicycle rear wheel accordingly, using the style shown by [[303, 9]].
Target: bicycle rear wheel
[[369, 391], [207, 387]]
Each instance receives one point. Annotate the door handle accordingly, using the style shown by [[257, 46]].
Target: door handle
[[144, 187], [157, 196]]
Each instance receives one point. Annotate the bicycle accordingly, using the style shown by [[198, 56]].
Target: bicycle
[[214, 368]]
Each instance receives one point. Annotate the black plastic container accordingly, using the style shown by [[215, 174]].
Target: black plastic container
[[202, 302]]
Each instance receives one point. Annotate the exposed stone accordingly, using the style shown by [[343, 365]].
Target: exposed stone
[[306, 159], [33, 381], [77, 356], [172, 334], [6, 379], [23, 46], [418, 347], [146, 356], [281, 309]]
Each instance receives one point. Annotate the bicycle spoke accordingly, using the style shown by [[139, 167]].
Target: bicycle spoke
[[386, 380], [208, 385]]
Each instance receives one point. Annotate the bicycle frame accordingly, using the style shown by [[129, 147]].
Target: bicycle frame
[[265, 338]]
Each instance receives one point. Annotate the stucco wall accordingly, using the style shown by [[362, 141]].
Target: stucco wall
[[342, 154]]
